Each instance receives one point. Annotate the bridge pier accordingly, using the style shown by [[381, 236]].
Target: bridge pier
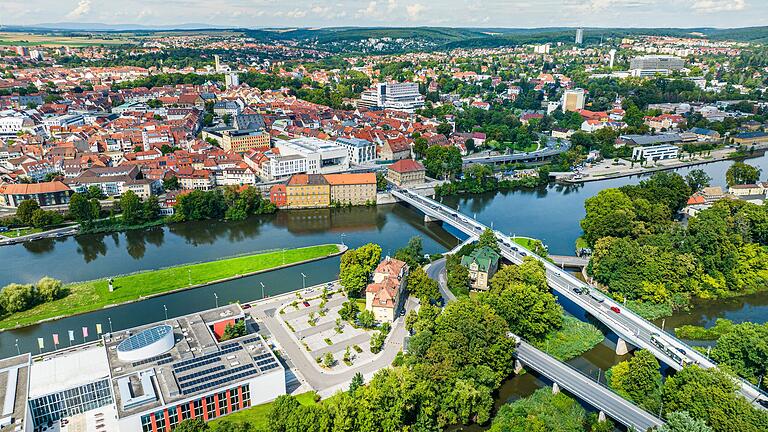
[[622, 347], [428, 218], [518, 367], [555, 388]]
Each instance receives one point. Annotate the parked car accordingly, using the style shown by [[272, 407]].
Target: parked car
[[246, 306], [306, 304]]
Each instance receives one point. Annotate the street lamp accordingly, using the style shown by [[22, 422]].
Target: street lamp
[[216, 296], [262, 289], [110, 324], [189, 275], [165, 309], [342, 239], [303, 281], [18, 350]]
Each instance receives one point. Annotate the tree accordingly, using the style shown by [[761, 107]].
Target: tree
[[349, 310], [130, 204], [81, 209], [171, 183], [683, 422], [17, 297], [357, 382], [94, 192], [49, 289], [366, 319], [413, 253], [711, 395], [381, 182], [458, 277], [420, 146], [638, 379], [488, 239], [192, 425], [609, 213], [421, 286], [151, 209], [442, 162], [356, 267], [42, 218], [328, 360], [744, 348], [25, 210], [698, 179], [234, 331], [542, 411], [741, 173]]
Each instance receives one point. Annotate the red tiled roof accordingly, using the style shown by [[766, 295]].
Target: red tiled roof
[[406, 165]]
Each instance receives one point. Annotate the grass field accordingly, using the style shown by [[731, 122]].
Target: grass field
[[574, 339], [13, 232], [29, 39], [524, 242], [93, 295], [256, 416]]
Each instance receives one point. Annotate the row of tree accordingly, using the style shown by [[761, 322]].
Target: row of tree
[[20, 297]]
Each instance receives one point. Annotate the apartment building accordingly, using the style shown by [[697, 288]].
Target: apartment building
[[384, 296], [308, 191], [241, 141], [352, 189]]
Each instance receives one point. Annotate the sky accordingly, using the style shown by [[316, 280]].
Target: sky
[[449, 13]]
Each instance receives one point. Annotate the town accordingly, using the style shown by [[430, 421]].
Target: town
[[345, 229]]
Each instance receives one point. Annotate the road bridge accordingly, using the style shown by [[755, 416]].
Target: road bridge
[[586, 389], [632, 329]]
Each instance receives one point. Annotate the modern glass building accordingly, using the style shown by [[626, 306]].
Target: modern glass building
[[52, 407]]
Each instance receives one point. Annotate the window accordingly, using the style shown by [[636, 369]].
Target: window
[[210, 403], [70, 402], [198, 408], [223, 403]]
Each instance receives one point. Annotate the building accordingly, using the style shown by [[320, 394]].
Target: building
[[655, 153], [308, 191], [322, 157], [651, 65], [573, 100], [360, 151], [113, 181], [393, 95], [241, 141], [648, 140], [395, 150], [482, 264], [384, 296], [278, 195], [750, 138], [145, 379], [406, 172], [579, 36], [14, 387], [352, 189], [231, 79]]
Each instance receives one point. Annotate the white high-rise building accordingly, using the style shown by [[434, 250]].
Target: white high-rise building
[[612, 53], [573, 100], [232, 79], [579, 36], [393, 95]]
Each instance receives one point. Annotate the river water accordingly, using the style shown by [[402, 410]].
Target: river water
[[549, 213]]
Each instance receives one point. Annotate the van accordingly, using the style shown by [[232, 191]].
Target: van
[[596, 297]]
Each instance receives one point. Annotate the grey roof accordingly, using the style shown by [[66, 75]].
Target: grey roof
[[645, 140], [249, 121], [355, 142]]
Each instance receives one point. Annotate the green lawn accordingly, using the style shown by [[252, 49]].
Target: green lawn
[[93, 295], [524, 242], [256, 416], [574, 339], [13, 232]]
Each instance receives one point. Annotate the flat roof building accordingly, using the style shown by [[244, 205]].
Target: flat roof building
[[322, 157]]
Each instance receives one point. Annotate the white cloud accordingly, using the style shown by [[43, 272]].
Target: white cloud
[[414, 11], [83, 7], [709, 6], [597, 5]]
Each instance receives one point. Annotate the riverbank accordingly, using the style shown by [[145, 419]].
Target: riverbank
[[609, 170], [93, 295]]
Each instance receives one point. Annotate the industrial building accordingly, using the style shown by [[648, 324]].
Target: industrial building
[[144, 379]]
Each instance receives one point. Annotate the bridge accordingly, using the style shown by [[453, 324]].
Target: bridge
[[569, 261], [586, 389], [632, 329]]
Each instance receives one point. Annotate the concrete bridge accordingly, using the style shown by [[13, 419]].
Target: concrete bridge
[[631, 329]]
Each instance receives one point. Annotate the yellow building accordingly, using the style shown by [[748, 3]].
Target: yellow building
[[245, 140], [308, 191], [352, 189]]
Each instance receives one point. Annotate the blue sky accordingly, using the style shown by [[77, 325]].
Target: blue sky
[[454, 13]]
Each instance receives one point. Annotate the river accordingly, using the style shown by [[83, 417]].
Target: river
[[549, 213]]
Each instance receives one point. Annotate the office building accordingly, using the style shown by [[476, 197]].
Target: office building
[[579, 36], [145, 379], [322, 157], [651, 65], [573, 100], [359, 150], [393, 95]]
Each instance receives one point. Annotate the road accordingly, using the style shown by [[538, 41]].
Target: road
[[630, 327], [436, 271], [586, 389], [553, 148]]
